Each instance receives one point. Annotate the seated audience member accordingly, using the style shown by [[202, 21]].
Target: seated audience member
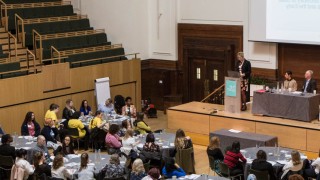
[[153, 174], [125, 125], [295, 177], [5, 148], [234, 159], [313, 171], [289, 82], [68, 111], [113, 169], [74, 122], [30, 127], [309, 84], [171, 168], [97, 121], [85, 109], [129, 110], [214, 151], [295, 164], [113, 140], [40, 165], [261, 164], [21, 162], [142, 126], [42, 147], [50, 132], [129, 142], [52, 113], [150, 145], [107, 108], [85, 172], [182, 141], [58, 170], [138, 171], [1, 131], [66, 148], [98, 130]]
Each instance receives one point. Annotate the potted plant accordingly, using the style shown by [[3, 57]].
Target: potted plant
[[257, 83]]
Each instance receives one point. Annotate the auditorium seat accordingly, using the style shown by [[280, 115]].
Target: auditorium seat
[[27, 1], [13, 69], [54, 27], [38, 12]]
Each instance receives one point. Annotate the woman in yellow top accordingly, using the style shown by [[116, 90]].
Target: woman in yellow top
[[96, 121], [141, 126], [74, 122], [52, 113]]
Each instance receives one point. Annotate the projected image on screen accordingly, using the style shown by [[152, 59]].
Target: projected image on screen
[[293, 20]]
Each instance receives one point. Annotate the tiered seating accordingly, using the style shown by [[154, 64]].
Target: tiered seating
[[11, 69], [69, 40], [50, 26], [35, 10], [27, 1], [96, 55]]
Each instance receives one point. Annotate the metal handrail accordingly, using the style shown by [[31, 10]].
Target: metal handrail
[[215, 91], [34, 59], [89, 60], [17, 18], [15, 44], [53, 49], [34, 35], [4, 13]]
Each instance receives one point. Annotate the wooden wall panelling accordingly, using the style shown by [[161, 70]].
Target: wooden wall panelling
[[313, 139], [190, 122], [126, 90], [270, 74], [89, 96], [290, 137], [217, 123], [56, 76]]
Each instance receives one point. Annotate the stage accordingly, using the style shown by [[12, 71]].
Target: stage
[[199, 119]]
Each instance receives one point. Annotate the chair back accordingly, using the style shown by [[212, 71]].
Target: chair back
[[224, 169], [211, 163], [73, 132], [146, 166], [185, 158], [6, 162], [261, 175]]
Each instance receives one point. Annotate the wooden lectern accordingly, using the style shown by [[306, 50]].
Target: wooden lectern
[[232, 95]]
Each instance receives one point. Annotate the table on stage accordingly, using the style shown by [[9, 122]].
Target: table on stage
[[298, 106], [227, 137]]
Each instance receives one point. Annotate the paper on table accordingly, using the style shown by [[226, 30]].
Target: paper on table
[[140, 145], [71, 156], [26, 148], [71, 164], [20, 137], [304, 157], [282, 162], [29, 142], [192, 176], [287, 156], [284, 151], [165, 146], [72, 171], [243, 151], [272, 163], [249, 161], [296, 92], [171, 144], [234, 131]]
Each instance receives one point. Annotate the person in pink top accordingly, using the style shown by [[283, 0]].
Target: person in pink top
[[234, 159], [113, 141], [30, 127]]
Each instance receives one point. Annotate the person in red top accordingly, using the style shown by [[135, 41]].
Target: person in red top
[[234, 159]]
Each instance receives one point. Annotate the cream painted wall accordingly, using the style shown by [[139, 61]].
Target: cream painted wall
[[150, 26]]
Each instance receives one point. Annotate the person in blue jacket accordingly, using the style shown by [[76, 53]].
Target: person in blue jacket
[[171, 168]]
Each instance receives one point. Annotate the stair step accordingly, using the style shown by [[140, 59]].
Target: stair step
[[6, 46], [2, 29]]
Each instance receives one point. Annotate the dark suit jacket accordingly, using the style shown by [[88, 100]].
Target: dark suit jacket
[[246, 68], [7, 150], [311, 86], [46, 133]]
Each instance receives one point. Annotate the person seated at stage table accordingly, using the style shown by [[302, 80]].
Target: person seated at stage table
[[68, 111], [113, 140], [289, 82], [171, 168], [5, 148], [113, 169], [50, 132], [309, 84], [214, 151], [42, 147], [234, 159], [85, 109], [150, 145], [295, 164], [107, 108], [261, 164], [75, 122], [141, 126], [30, 127], [52, 113], [40, 165]]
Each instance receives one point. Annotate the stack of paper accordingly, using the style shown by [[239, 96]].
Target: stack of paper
[[234, 131]]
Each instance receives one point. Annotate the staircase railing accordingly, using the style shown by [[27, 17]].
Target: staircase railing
[[15, 44], [217, 94]]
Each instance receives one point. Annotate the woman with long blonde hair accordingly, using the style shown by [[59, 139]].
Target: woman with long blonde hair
[[214, 151], [129, 142], [182, 141], [58, 170], [138, 172], [295, 164]]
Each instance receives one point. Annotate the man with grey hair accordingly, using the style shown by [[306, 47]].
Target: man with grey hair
[[309, 84], [41, 146]]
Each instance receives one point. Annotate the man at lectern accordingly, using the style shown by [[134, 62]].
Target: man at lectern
[[244, 67]]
